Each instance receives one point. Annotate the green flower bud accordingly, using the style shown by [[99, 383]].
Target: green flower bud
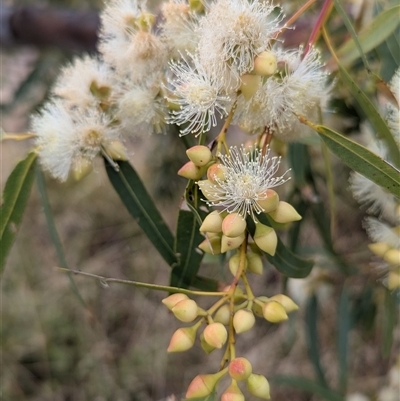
[[173, 299], [249, 85], [256, 308], [240, 369], [185, 310], [274, 312], [200, 155], [211, 245], [284, 213], [392, 256], [183, 339], [191, 171], [212, 223], [223, 314], [215, 335], [270, 202], [233, 225], [243, 320], [379, 248], [258, 386], [265, 238], [254, 263], [234, 262], [286, 302], [238, 294], [203, 385], [232, 393], [207, 348], [265, 64], [229, 243]]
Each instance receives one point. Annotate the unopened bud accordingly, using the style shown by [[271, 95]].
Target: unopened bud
[[274, 312], [393, 279], [234, 262], [116, 150], [254, 263], [243, 320], [212, 223], [200, 155], [209, 190], [232, 393], [265, 64], [215, 335], [223, 314], [379, 248], [249, 85], [216, 171], [191, 171], [173, 299], [196, 5], [258, 386], [185, 310], [266, 239], [230, 243], [257, 307], [270, 202], [207, 348], [211, 245], [240, 369], [203, 385], [286, 302], [284, 213], [392, 256], [81, 169], [233, 225], [238, 294], [183, 339]]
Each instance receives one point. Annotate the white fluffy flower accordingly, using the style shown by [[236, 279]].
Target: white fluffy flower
[[65, 138], [393, 116], [199, 95], [235, 31], [379, 231], [248, 175]]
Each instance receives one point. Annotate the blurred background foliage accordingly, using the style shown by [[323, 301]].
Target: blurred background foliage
[[78, 341]]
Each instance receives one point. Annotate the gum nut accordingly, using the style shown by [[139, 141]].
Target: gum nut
[[116, 150], [274, 312], [207, 348], [249, 85], [232, 393], [216, 170], [254, 263], [284, 213], [265, 238], [211, 245], [392, 256], [233, 225], [191, 171], [200, 155], [269, 201], [286, 302], [243, 320], [81, 169], [215, 335], [203, 385], [240, 369], [257, 308], [182, 340], [209, 190], [393, 279], [186, 310], [258, 386], [379, 248], [212, 223], [173, 299], [223, 314], [234, 262], [229, 243], [265, 64]]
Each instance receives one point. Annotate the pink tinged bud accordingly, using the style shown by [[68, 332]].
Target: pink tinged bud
[[191, 171], [212, 223], [223, 314], [208, 189], [232, 393], [243, 320], [285, 213], [211, 245], [183, 339], [286, 302], [393, 279], [265, 64], [249, 85], [200, 155], [216, 171], [270, 202], [233, 225], [229, 243], [254, 263], [203, 385], [215, 335], [266, 239], [392, 256], [379, 248], [234, 263], [207, 348], [240, 369], [185, 310], [274, 312], [258, 386], [173, 299]]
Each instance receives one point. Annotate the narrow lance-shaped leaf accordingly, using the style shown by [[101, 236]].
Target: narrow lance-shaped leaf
[[389, 320], [15, 197], [134, 195]]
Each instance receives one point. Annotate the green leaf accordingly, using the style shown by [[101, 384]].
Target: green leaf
[[376, 120], [371, 36], [361, 160], [15, 197], [133, 194], [284, 260], [312, 339], [390, 316], [205, 284], [309, 386]]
